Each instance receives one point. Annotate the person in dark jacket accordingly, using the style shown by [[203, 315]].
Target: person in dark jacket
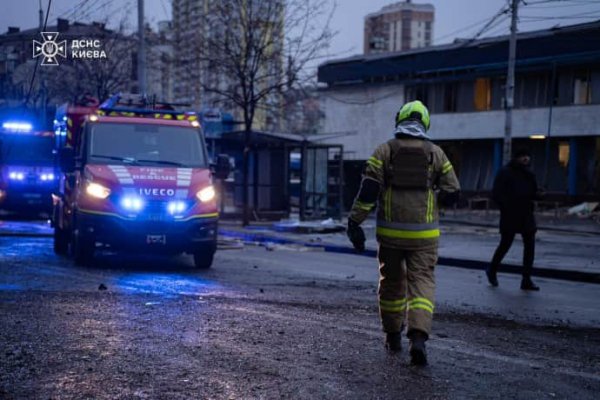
[[515, 189]]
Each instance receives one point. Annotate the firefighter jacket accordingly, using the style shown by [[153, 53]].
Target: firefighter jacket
[[405, 174]]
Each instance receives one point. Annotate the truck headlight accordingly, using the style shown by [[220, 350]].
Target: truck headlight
[[97, 190], [206, 194]]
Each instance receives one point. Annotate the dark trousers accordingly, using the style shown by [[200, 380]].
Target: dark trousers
[[528, 250]]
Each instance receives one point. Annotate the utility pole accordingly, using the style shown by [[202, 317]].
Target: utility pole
[[41, 14], [44, 94], [510, 81], [141, 56]]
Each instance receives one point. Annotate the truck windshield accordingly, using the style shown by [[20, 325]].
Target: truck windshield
[[24, 149], [145, 144]]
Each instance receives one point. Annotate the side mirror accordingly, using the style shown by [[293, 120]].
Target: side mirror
[[66, 159], [222, 167]]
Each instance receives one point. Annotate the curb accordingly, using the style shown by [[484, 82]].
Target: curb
[[539, 227], [25, 234], [552, 273]]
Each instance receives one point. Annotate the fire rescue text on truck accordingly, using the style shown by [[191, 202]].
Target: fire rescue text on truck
[[135, 176]]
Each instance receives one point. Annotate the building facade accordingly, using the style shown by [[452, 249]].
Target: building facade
[[556, 114], [160, 62], [398, 27]]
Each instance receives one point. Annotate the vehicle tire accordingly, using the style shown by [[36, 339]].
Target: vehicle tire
[[61, 241], [83, 246], [203, 256]]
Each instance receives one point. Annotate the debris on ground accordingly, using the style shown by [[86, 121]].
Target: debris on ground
[[296, 226], [229, 244], [583, 210], [270, 246], [102, 287]]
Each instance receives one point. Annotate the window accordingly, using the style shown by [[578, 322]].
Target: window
[[417, 92], [450, 95], [145, 144], [563, 154], [582, 88], [27, 149], [483, 94]]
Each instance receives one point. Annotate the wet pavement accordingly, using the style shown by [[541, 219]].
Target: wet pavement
[[555, 250], [577, 250], [277, 322]]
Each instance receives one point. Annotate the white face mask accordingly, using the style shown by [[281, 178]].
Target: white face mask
[[412, 128]]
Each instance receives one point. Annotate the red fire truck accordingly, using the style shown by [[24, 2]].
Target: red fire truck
[[135, 176]]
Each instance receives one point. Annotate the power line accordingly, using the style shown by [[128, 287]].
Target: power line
[[78, 7], [474, 24], [498, 28], [92, 11], [164, 7], [594, 14], [492, 22], [571, 2], [550, 6], [37, 63]]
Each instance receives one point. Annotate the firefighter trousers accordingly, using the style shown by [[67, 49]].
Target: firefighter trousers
[[406, 289]]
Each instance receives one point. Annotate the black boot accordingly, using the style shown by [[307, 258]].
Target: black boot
[[418, 355], [527, 284], [393, 341], [490, 271]]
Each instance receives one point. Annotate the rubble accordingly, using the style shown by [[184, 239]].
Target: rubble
[[296, 226], [583, 210]]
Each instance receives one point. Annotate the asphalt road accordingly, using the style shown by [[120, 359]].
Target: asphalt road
[[287, 323]]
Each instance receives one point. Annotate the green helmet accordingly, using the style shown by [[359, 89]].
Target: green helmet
[[414, 110]]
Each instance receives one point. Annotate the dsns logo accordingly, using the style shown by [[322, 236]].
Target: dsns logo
[[49, 49]]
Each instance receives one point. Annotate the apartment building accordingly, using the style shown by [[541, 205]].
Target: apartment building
[[194, 25], [398, 27]]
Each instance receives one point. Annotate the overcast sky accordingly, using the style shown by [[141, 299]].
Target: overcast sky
[[453, 18]]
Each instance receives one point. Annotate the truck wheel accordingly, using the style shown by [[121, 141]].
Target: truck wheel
[[61, 241], [203, 256], [83, 246]]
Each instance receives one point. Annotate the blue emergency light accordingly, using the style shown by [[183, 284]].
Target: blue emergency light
[[17, 126]]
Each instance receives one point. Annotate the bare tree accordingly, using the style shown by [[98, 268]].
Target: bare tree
[[254, 50], [100, 77]]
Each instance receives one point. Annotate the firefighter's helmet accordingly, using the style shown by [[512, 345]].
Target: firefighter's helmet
[[414, 110]]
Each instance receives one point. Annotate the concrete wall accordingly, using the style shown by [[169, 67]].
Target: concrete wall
[[567, 121], [367, 111], [366, 115]]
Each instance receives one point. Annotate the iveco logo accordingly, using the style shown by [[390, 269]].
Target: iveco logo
[[157, 192]]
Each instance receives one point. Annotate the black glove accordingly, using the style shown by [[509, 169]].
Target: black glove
[[356, 236], [447, 199]]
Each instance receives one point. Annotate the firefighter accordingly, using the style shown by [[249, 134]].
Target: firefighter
[[402, 179]]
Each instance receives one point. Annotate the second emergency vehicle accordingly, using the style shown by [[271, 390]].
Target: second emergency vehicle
[[27, 176]]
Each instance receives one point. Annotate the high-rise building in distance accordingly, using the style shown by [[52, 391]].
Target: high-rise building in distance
[[399, 26]]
